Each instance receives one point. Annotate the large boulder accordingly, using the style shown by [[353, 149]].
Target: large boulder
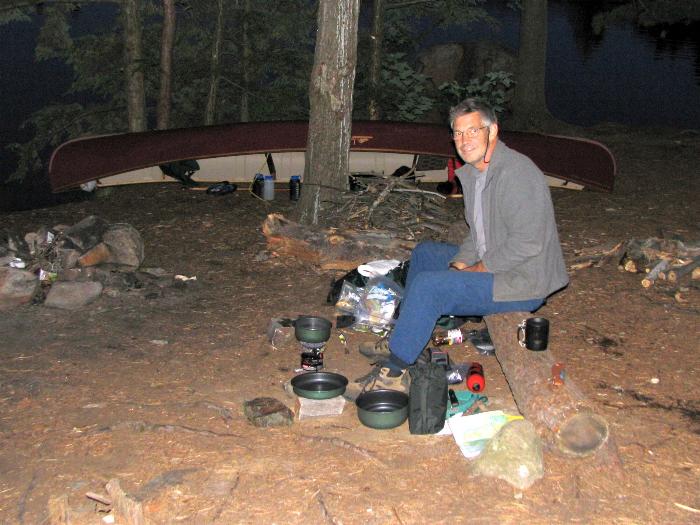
[[121, 246], [71, 295], [463, 62], [442, 63], [16, 287], [513, 455], [485, 56]]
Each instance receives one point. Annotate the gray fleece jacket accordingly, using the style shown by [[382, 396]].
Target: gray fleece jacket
[[522, 244]]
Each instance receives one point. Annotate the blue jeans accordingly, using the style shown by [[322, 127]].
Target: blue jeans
[[433, 290]]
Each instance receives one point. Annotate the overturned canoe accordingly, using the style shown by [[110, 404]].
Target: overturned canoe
[[235, 152]]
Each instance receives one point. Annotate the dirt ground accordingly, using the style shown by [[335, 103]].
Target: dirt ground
[[149, 388]]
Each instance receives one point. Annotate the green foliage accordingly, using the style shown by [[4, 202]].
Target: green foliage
[[54, 39], [404, 95], [649, 13], [54, 124], [492, 87], [281, 40]]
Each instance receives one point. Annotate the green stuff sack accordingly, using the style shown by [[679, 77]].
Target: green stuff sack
[[427, 398]]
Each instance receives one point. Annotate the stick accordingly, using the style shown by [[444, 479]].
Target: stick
[[661, 266], [406, 190], [344, 444], [386, 191], [99, 498]]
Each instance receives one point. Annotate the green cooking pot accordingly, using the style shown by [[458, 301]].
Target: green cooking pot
[[311, 329], [382, 408], [319, 385]]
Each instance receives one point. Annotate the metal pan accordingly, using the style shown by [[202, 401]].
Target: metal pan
[[319, 385], [382, 408], [311, 329]]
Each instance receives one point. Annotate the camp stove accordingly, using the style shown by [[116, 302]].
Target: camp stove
[[312, 356]]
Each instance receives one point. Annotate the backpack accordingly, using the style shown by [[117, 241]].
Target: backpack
[[181, 170]]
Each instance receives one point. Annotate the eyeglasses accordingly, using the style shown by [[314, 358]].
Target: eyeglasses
[[469, 132]]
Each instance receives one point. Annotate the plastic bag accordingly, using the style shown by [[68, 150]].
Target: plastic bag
[[397, 275], [378, 303], [349, 298], [372, 306]]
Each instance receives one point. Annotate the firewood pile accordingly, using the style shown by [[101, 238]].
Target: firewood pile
[[382, 217], [395, 204], [657, 259]]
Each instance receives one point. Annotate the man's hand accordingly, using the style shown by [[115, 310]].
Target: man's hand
[[476, 267]]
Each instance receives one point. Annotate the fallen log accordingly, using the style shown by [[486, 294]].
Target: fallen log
[[547, 397], [674, 274], [127, 510], [330, 248]]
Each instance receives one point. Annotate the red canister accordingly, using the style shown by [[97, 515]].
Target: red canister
[[475, 378]]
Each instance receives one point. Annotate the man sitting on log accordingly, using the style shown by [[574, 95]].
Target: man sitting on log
[[510, 260]]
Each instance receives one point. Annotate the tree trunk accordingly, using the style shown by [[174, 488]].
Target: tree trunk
[[214, 70], [375, 68], [166, 65], [330, 97], [135, 89], [529, 101], [247, 53]]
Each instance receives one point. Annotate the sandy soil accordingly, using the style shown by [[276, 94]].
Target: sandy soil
[[148, 388]]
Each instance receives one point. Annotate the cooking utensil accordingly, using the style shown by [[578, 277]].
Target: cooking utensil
[[319, 385], [382, 409], [311, 329]]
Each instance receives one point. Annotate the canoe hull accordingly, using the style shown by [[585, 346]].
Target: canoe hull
[[235, 152]]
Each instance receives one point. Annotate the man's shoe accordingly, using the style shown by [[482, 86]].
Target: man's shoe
[[379, 378], [378, 351]]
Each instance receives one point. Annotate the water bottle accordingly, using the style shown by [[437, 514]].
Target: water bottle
[[475, 378], [295, 187], [269, 188]]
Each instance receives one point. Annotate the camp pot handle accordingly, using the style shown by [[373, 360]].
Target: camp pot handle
[[521, 330]]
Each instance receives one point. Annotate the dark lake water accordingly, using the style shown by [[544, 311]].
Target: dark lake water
[[625, 75]]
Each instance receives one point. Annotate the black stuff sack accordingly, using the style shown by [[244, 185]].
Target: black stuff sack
[[427, 402]]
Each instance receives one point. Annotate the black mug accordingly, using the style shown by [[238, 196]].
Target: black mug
[[533, 333]]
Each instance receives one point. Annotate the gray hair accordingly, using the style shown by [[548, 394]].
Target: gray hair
[[471, 105]]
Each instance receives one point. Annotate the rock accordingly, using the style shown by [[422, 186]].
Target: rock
[[87, 233], [125, 245], [98, 254], [68, 257], [121, 247], [72, 295], [441, 63], [485, 56], [513, 455], [267, 412], [16, 287]]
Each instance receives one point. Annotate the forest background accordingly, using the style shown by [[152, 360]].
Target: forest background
[[194, 62]]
